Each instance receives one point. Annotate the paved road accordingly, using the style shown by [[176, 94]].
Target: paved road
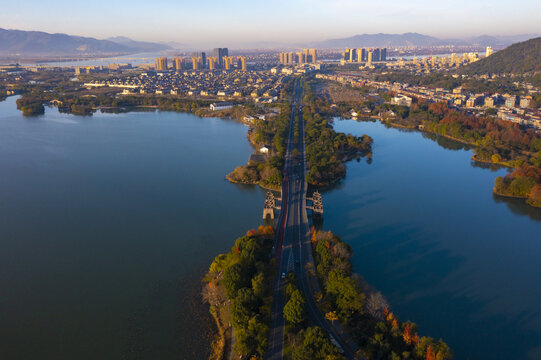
[[293, 250], [276, 341]]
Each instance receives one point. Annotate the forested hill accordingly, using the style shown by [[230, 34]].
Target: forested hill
[[520, 58]]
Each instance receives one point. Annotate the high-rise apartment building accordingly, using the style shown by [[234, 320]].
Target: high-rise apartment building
[[219, 54], [178, 63], [202, 56], [228, 62], [161, 64], [489, 51], [369, 55], [313, 55], [364, 55], [197, 63], [383, 54], [242, 62], [213, 62]]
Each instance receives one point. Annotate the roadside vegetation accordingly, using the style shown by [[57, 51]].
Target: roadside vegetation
[[304, 342], [378, 331], [238, 289]]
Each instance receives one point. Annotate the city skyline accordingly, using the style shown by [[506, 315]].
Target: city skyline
[[289, 22]]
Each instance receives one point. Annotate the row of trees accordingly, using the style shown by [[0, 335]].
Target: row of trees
[[380, 334], [238, 287], [326, 149]]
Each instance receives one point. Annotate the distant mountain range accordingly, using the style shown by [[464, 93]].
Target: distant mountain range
[[140, 46], [37, 43], [415, 40], [19, 43], [379, 40], [520, 58]]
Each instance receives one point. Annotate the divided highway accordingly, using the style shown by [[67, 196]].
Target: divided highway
[[293, 249]]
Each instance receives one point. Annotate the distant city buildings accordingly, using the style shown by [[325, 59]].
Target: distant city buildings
[[219, 54], [179, 63], [489, 51], [203, 59], [213, 61], [200, 61], [364, 55], [242, 61], [306, 56], [161, 64]]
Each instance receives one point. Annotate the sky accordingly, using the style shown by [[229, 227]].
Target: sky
[[236, 22]]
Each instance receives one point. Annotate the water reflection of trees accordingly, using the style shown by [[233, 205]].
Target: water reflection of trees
[[446, 143], [519, 207], [487, 166]]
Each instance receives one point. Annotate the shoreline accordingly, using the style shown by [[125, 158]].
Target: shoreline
[[464, 142]]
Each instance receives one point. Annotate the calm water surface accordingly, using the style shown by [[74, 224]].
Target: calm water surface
[[427, 231], [107, 224]]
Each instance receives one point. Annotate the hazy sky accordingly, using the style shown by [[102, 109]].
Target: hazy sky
[[233, 22]]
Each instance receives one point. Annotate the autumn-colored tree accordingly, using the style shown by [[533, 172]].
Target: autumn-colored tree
[[438, 108], [408, 334], [331, 316], [385, 311], [535, 196], [394, 324], [314, 235], [528, 171], [430, 355], [269, 230]]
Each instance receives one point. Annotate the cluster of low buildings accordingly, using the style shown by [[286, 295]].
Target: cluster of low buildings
[[518, 109], [263, 86], [299, 69]]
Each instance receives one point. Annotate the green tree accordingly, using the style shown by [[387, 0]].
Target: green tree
[[253, 339], [244, 307], [235, 278], [294, 310], [314, 344]]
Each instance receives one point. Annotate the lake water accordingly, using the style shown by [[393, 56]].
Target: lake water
[[427, 231], [134, 59], [107, 225]]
